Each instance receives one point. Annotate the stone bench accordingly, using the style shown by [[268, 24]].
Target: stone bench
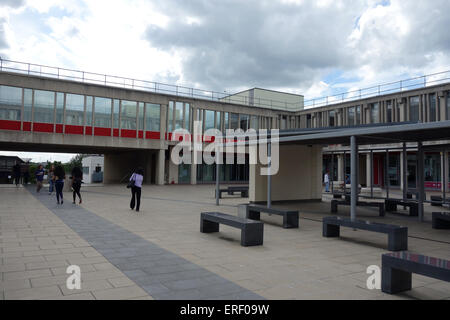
[[290, 217], [397, 235], [231, 190], [440, 220], [251, 231], [379, 205], [397, 268], [390, 205], [437, 201]]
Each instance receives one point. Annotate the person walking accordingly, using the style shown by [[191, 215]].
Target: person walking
[[39, 177], [77, 177], [326, 180], [137, 177], [51, 179], [16, 174], [59, 175]]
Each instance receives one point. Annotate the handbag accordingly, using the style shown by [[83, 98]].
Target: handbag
[[131, 183]]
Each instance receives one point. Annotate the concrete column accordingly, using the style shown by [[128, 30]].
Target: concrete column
[[368, 171], [442, 108], [160, 166], [340, 169], [420, 179], [402, 108], [354, 177], [444, 170], [193, 169]]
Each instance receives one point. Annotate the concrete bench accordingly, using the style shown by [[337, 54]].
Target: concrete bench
[[251, 231], [379, 205], [397, 268], [231, 190], [290, 217], [390, 205], [437, 201], [397, 235], [440, 220]]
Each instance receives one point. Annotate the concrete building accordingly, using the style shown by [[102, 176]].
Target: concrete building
[[131, 122], [93, 169]]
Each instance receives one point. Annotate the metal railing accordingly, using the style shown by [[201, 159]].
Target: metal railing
[[182, 91], [381, 89]]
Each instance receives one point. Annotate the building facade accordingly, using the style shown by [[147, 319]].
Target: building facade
[[132, 125]]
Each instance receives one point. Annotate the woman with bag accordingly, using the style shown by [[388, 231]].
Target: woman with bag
[[136, 184]]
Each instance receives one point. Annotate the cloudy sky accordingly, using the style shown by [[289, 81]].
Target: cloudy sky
[[314, 48]]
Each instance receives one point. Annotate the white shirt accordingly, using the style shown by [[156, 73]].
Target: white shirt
[[138, 178], [326, 178]]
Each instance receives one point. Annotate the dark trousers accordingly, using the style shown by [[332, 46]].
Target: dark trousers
[[59, 185], [76, 186], [135, 197]]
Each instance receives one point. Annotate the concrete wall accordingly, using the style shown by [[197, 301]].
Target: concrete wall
[[119, 165], [299, 176]]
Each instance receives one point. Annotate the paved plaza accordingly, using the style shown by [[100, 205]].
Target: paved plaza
[[159, 252]]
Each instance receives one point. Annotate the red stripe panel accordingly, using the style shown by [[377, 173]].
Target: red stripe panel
[[126, 133], [69, 129], [116, 132], [141, 134], [43, 127], [152, 135], [88, 131], [104, 132], [9, 125], [59, 128], [26, 126]]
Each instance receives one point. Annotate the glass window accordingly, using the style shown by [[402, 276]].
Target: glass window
[[432, 107], [128, 115], [218, 119], [116, 110], [10, 103], [59, 107], [414, 109], [209, 119], [170, 112], [358, 115], [89, 102], [331, 117], [351, 116], [141, 115], [244, 119], [226, 121], [74, 109], [152, 117], [448, 106], [394, 169], [374, 113], [44, 105], [187, 119], [433, 167], [308, 121], [389, 111], [102, 112], [234, 121], [178, 115], [27, 104]]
